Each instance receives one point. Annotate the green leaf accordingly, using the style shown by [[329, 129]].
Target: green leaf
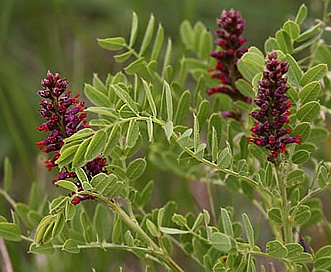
[[248, 230], [322, 176], [42, 228], [152, 228], [126, 98], [10, 231], [268, 175], [295, 177], [70, 211], [3, 219], [128, 238], [157, 42], [96, 145], [220, 241], [168, 100], [308, 36], [276, 250], [294, 250], [196, 135], [97, 83], [112, 44], [292, 29], [168, 129], [150, 129], [87, 186], [186, 31], [136, 66], [123, 57], [114, 188], [214, 145], [7, 174], [250, 64], [97, 97], [226, 221], [303, 258], [133, 134], [318, 134], [284, 41], [324, 251], [78, 159], [300, 156], [179, 220], [301, 215], [112, 141], [302, 14], [167, 57], [150, 98], [69, 185], [183, 108], [323, 54], [145, 195], [203, 112], [270, 45], [308, 111], [292, 93], [245, 88], [224, 158], [173, 231], [148, 35], [80, 173], [58, 225], [101, 222], [322, 263], [67, 155], [274, 214], [136, 169], [315, 73], [310, 92], [47, 236], [186, 160], [134, 29], [70, 246], [81, 134], [46, 249], [303, 130], [205, 45], [294, 73], [101, 181]]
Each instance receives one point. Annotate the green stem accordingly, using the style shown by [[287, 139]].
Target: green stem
[[157, 251], [284, 208], [8, 198], [211, 202]]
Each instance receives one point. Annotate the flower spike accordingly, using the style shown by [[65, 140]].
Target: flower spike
[[230, 41], [274, 110], [64, 116]]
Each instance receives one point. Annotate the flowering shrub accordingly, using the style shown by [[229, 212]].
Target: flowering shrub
[[150, 117]]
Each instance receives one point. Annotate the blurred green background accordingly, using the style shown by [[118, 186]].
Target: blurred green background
[[60, 35]]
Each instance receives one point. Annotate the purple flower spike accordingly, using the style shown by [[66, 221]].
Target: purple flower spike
[[63, 117], [274, 110], [230, 41]]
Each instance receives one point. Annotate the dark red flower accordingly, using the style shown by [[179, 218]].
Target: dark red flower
[[274, 109], [64, 116], [230, 41]]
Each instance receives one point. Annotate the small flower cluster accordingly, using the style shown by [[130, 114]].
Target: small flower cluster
[[64, 116], [274, 110], [229, 39]]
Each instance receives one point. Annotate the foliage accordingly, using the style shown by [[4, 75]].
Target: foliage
[[155, 113]]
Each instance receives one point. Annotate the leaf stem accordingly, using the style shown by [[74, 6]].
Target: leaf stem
[[157, 251]]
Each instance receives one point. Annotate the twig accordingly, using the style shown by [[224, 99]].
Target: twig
[[5, 263]]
